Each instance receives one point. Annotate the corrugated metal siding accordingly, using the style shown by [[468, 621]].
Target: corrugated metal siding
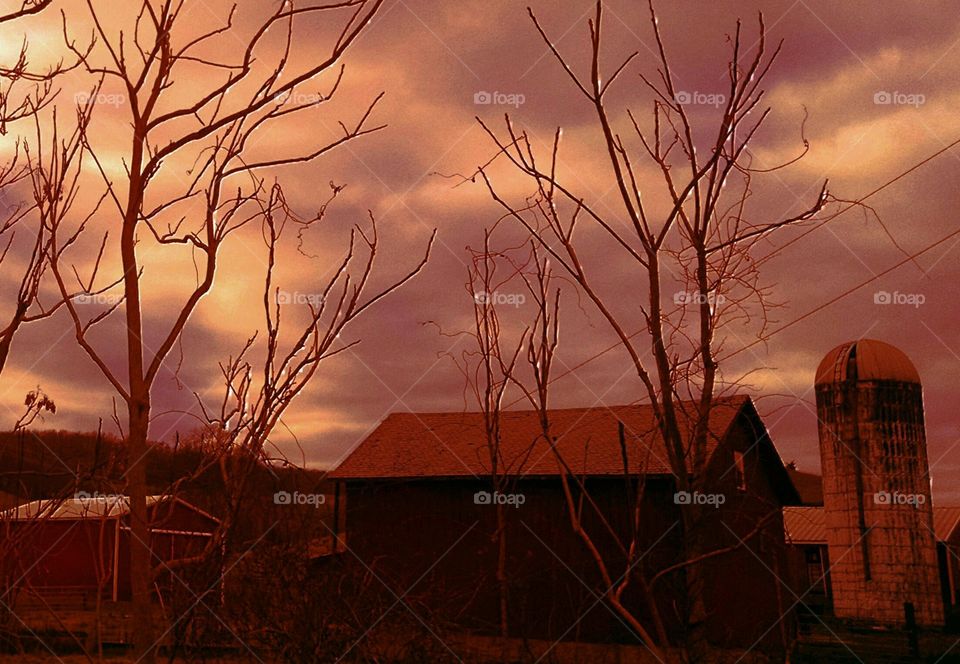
[[806, 525], [945, 520]]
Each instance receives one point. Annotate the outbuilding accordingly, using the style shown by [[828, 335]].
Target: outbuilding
[[80, 546]]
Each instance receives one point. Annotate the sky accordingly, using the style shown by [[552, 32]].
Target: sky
[[872, 85]]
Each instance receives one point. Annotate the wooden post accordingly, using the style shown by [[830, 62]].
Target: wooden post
[[116, 557], [951, 578], [910, 618]]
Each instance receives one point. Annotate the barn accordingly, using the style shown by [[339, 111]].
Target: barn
[[414, 502], [79, 547]]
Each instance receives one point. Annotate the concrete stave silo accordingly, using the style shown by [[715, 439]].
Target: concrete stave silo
[[876, 482]]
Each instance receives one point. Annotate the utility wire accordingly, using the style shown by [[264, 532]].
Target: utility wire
[[833, 300]]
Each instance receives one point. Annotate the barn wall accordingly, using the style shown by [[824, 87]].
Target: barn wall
[[401, 528], [750, 591], [70, 556], [76, 556]]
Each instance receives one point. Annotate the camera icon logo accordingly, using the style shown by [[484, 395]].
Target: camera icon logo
[[682, 498], [282, 498], [482, 498], [482, 97]]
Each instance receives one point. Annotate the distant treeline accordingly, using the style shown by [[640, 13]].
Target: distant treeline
[[50, 463]]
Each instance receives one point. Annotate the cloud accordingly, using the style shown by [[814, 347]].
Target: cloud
[[432, 61]]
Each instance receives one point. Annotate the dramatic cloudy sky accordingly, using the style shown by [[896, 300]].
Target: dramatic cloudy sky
[[876, 81]]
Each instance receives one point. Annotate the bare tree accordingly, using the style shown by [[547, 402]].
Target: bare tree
[[24, 93], [235, 101], [488, 369], [698, 245], [262, 381], [16, 219], [520, 358]]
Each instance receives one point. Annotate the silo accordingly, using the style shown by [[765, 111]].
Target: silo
[[876, 485]]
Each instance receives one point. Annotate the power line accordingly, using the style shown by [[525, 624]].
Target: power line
[[860, 200], [846, 292], [826, 304]]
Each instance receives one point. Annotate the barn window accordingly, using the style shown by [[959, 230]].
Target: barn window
[[740, 471]]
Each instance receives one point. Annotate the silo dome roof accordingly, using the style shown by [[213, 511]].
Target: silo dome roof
[[875, 360]]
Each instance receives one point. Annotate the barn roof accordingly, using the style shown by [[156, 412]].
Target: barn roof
[[945, 523], [83, 506], [804, 525], [807, 525], [450, 445]]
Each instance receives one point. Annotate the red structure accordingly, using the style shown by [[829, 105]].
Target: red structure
[[406, 504], [81, 546]]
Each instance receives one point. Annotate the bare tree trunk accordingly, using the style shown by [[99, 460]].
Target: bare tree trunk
[[141, 568], [695, 617], [8, 333], [503, 579]]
